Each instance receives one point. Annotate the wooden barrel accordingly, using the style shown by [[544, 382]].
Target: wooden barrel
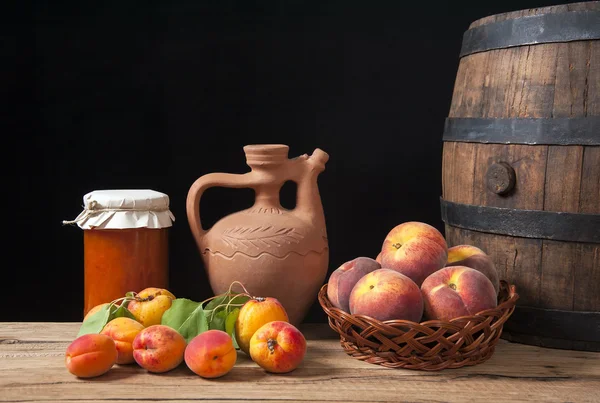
[[521, 166]]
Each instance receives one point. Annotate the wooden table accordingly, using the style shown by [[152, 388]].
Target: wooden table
[[32, 369]]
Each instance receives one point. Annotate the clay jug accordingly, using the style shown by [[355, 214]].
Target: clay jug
[[273, 251]]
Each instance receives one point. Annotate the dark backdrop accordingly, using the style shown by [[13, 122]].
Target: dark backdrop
[[132, 95]]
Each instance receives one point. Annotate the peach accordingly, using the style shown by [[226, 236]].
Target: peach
[[278, 347], [123, 330], [475, 258], [211, 354], [158, 348], [386, 294], [150, 304], [90, 355], [457, 291], [343, 279], [255, 313], [414, 249]]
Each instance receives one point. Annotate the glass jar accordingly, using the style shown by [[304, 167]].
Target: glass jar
[[125, 241]]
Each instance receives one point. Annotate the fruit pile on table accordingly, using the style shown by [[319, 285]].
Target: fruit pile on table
[[158, 331]]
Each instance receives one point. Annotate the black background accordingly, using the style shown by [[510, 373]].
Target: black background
[[154, 95]]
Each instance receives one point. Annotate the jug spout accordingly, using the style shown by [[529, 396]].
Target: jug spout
[[308, 200], [319, 158]]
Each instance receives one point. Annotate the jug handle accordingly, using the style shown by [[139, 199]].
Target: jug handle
[[200, 186]]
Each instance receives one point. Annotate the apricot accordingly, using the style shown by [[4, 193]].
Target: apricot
[[473, 257], [457, 291], [90, 355], [254, 314], [211, 354], [414, 249], [150, 305], [385, 294], [123, 330], [343, 279], [278, 347], [158, 348]]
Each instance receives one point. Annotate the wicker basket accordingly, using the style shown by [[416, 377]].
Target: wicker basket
[[431, 345]]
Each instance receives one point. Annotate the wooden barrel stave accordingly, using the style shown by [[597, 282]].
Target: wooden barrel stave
[[541, 81]]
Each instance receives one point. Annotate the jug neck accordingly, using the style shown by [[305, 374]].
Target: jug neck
[[267, 195]]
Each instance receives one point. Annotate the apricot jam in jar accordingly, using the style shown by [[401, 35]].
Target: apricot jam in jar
[[125, 242]]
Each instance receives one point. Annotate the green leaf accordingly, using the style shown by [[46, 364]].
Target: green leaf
[[187, 317], [122, 311], [218, 320], [230, 325], [130, 294], [230, 321], [95, 322]]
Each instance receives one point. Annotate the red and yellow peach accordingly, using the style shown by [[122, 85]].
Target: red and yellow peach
[[475, 258], [343, 279], [386, 294], [158, 348], [414, 249], [457, 291], [278, 347]]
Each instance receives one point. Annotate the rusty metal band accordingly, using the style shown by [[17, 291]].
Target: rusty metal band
[[558, 226], [584, 131], [555, 324], [532, 30]]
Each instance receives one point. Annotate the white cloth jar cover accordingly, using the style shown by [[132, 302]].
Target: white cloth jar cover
[[124, 208]]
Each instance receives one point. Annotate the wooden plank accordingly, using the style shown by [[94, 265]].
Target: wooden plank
[[447, 170], [592, 107], [535, 97], [500, 72], [460, 82], [563, 178], [33, 370], [558, 280], [251, 386], [459, 171], [587, 278], [468, 92], [561, 261], [572, 73], [589, 196]]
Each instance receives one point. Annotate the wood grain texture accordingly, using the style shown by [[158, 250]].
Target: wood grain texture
[[551, 80], [589, 200], [32, 369]]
